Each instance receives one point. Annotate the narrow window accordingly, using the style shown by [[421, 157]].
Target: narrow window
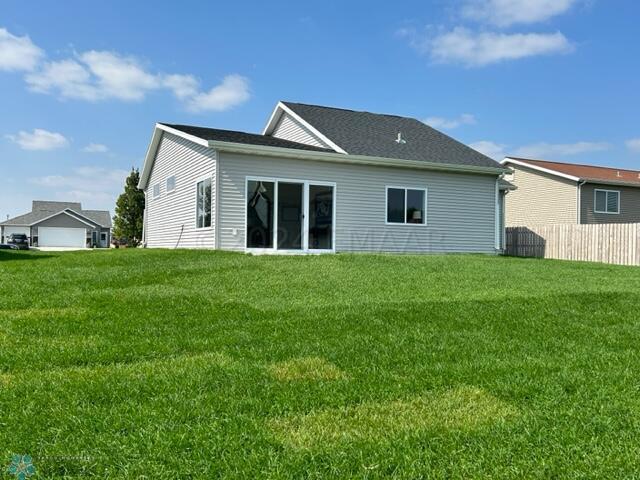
[[607, 201], [203, 204], [406, 205], [156, 190], [260, 213], [171, 183]]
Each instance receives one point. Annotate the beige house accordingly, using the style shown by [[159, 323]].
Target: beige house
[[555, 192]]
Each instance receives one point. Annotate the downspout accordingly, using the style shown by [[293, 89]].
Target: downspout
[[579, 206], [497, 214]]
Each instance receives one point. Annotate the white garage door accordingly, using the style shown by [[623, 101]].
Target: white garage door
[[62, 237]]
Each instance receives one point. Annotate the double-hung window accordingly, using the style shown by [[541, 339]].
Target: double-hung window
[[203, 203], [607, 201], [407, 206], [156, 190]]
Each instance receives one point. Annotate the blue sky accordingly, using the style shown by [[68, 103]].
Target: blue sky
[[82, 83]]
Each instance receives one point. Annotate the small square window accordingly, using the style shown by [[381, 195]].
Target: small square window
[[607, 201], [156, 190], [171, 183], [406, 205]]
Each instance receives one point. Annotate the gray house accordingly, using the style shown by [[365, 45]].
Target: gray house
[[567, 193], [61, 224], [321, 179]]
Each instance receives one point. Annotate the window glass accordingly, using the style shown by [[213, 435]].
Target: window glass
[[395, 205], [613, 198], [415, 206], [203, 204], [320, 217], [260, 205], [171, 183], [156, 190]]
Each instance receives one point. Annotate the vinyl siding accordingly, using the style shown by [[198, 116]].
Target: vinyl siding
[[288, 128], [168, 214], [461, 211], [629, 204], [63, 220], [540, 199]]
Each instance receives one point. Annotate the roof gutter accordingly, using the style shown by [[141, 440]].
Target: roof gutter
[[352, 159]]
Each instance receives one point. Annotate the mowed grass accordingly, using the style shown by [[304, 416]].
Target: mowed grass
[[187, 364]]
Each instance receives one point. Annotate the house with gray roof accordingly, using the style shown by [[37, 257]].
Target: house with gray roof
[[321, 179], [61, 225]]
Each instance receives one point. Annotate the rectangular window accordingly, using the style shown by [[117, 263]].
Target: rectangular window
[[260, 212], [406, 205], [156, 190], [203, 204], [171, 183], [607, 201]]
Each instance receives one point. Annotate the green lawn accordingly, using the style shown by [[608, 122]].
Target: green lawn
[[180, 364]]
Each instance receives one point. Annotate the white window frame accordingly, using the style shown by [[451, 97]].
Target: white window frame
[[166, 184], [405, 223], [305, 224], [195, 185], [606, 192], [153, 190]]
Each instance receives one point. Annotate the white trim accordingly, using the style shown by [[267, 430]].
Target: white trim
[[579, 213], [404, 215], [352, 159], [273, 120], [197, 181], [166, 184], [595, 202], [538, 168], [305, 208], [497, 215]]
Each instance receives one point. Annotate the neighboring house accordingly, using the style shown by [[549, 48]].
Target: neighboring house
[[61, 224], [321, 179], [554, 192]]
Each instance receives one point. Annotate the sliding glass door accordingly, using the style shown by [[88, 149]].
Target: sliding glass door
[[290, 215]]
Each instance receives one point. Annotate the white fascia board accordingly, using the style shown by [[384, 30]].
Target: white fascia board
[[343, 158], [149, 158], [539, 169], [275, 116]]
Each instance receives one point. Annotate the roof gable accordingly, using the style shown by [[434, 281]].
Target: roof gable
[[581, 172], [45, 210], [376, 135]]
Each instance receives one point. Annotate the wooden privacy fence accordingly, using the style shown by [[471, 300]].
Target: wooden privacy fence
[[612, 243]]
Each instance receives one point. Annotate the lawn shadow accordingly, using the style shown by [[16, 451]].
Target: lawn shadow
[[8, 255]]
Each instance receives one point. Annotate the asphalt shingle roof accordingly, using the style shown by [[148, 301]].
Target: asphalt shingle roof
[[243, 137], [44, 209], [374, 134]]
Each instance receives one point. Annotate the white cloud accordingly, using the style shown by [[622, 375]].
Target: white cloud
[[39, 139], [233, 91], [633, 145], [490, 149], [473, 49], [551, 150], [504, 13], [18, 53], [95, 148], [450, 123], [97, 186], [103, 75]]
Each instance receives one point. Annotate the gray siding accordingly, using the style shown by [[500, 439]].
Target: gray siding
[[541, 199], [461, 210], [64, 220], [171, 213], [288, 128], [629, 204]]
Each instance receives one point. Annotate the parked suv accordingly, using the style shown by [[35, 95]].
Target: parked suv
[[20, 240]]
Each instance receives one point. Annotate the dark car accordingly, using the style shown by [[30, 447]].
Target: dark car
[[20, 240], [6, 246]]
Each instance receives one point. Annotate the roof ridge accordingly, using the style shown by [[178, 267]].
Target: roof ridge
[[174, 125], [349, 110], [576, 164]]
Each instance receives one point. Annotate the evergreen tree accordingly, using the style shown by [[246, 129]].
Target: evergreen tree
[[127, 224]]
